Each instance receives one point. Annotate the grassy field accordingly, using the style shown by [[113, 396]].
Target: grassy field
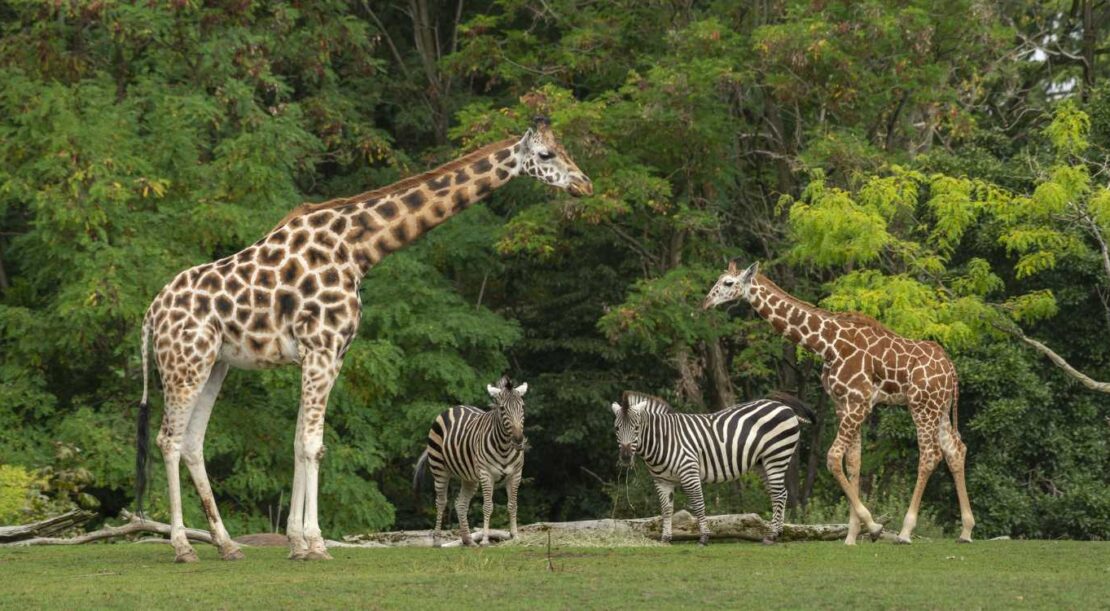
[[929, 574]]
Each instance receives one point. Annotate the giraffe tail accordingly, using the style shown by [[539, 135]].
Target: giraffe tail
[[418, 475], [142, 434], [955, 401]]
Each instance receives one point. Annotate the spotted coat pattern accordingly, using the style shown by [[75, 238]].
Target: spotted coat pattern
[[293, 297], [865, 364]]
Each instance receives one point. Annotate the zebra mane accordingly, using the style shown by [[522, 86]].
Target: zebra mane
[[654, 404]]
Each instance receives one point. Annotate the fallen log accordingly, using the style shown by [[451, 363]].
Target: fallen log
[[133, 525], [45, 528], [744, 526]]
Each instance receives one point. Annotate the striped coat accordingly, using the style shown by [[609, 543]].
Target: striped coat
[[688, 449], [480, 448]]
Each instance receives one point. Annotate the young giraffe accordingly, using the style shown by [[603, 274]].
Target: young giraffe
[[293, 297], [865, 364]]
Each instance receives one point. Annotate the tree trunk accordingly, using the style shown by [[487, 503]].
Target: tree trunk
[[44, 528]]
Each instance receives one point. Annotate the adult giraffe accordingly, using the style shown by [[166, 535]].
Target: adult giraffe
[[293, 297], [865, 364]]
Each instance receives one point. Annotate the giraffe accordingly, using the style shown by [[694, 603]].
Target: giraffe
[[293, 297], [866, 364]]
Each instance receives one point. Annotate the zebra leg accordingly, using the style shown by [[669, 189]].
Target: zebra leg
[[774, 478], [511, 488], [462, 506], [666, 506], [691, 484], [487, 505], [441, 506]]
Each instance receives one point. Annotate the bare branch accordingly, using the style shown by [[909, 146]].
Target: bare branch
[[1056, 359]]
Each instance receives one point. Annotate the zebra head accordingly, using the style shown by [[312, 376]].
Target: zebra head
[[627, 426], [509, 403], [731, 285], [543, 158]]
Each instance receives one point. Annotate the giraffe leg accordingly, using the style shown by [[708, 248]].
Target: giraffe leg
[[665, 491], [441, 505], [691, 484], [845, 437], [852, 463], [182, 391], [487, 505], [511, 488], [462, 506], [928, 457], [954, 454], [294, 529], [193, 454], [318, 373]]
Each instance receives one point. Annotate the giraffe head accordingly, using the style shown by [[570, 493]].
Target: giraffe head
[[627, 426], [509, 404], [543, 158], [732, 285]]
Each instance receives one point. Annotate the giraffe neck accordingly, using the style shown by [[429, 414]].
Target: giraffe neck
[[800, 322], [375, 224]]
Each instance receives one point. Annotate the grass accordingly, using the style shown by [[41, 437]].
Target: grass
[[928, 574]]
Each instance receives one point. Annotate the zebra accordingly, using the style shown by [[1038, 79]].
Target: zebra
[[688, 449], [478, 447]]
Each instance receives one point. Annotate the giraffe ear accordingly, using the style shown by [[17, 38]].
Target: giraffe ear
[[526, 139], [750, 273], [732, 269]]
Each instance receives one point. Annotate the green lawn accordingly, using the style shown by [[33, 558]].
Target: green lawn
[[929, 574]]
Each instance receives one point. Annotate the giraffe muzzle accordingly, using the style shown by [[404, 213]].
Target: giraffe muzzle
[[580, 186]]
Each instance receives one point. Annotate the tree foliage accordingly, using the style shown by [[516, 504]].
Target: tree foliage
[[940, 167]]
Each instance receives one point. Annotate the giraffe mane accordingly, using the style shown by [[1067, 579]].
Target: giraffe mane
[[401, 185], [772, 285], [861, 319]]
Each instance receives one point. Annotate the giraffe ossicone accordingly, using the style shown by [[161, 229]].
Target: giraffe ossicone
[[293, 298], [866, 364]]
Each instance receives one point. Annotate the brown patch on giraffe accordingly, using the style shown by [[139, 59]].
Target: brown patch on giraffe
[[319, 219], [291, 271], [503, 154], [324, 239], [261, 298], [223, 305], [330, 297], [400, 233], [316, 257], [308, 286], [244, 271], [264, 278], [414, 200], [481, 166], [202, 304], [278, 236], [482, 188], [342, 253], [502, 174], [339, 225], [183, 300], [459, 200], [439, 182], [287, 302], [300, 238], [271, 256], [387, 210], [461, 177]]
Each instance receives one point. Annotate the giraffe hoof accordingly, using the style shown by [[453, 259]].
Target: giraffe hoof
[[318, 554], [298, 554], [468, 542], [186, 557], [876, 533], [902, 540], [665, 540], [232, 554], [963, 540]]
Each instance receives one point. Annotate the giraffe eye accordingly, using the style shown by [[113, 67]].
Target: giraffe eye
[[546, 155], [729, 282]]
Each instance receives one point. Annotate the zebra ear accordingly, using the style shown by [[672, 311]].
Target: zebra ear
[[616, 407], [520, 390], [637, 408], [493, 390]]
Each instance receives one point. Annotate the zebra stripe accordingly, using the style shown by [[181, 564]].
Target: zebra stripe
[[480, 448], [689, 449]]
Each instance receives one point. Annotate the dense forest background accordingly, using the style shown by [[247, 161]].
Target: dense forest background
[[938, 165]]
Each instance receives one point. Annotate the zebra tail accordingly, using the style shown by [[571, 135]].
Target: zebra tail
[[802, 410], [418, 475], [142, 432]]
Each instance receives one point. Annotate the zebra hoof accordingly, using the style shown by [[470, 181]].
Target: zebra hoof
[[665, 540], [768, 541], [703, 540]]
